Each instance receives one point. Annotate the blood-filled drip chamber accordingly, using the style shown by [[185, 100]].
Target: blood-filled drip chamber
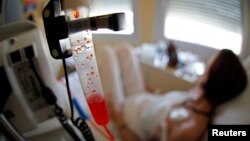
[[80, 39]]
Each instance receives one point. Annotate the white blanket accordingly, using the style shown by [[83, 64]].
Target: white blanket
[[145, 112]]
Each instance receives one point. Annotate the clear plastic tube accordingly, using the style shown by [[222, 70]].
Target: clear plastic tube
[[87, 70]]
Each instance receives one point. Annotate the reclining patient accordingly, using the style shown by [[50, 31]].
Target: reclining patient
[[178, 115]]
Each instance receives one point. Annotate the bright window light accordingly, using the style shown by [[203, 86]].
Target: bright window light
[[189, 30]]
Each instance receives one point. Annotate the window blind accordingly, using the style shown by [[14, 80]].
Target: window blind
[[225, 14]]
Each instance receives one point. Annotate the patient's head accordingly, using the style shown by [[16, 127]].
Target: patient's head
[[225, 78]]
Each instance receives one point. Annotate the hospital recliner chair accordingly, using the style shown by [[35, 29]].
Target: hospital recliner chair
[[119, 69]]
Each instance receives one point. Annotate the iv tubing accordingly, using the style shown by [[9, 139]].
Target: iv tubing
[[109, 133]]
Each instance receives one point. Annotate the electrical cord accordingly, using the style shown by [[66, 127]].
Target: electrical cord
[[85, 130], [68, 90], [79, 123], [63, 119]]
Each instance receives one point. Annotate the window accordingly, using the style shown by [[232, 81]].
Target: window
[[213, 23], [101, 7]]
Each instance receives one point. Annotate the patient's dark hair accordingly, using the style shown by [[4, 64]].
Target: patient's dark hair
[[227, 78]]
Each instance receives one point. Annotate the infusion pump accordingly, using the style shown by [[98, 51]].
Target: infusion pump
[[22, 104]]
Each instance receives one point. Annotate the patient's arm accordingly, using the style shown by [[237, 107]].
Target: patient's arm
[[190, 129]]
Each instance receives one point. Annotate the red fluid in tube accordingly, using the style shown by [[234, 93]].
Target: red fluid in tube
[[98, 108], [76, 13]]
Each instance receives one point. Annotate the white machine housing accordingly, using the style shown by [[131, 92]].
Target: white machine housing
[[27, 107]]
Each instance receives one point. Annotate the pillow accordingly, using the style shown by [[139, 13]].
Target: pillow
[[236, 111]]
